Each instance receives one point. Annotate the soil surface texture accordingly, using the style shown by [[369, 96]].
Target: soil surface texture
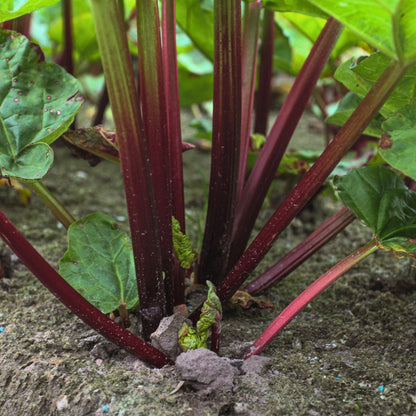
[[350, 352]]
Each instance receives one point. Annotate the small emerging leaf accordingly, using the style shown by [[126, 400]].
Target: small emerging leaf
[[182, 245], [99, 263], [190, 338]]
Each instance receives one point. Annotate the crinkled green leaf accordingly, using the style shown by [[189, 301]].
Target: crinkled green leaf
[[190, 338], [398, 147], [210, 312], [388, 25], [380, 198], [99, 263], [360, 78], [344, 110], [10, 9], [182, 245], [38, 102]]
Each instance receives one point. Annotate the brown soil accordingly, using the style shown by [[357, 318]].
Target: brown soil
[[351, 352]]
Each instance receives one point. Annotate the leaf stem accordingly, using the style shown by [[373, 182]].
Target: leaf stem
[[134, 158], [155, 124], [174, 131], [249, 67], [264, 170], [307, 296], [49, 199], [225, 141], [265, 73], [314, 178], [74, 301], [301, 252]]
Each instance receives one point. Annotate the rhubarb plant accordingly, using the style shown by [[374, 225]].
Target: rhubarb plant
[[105, 272]]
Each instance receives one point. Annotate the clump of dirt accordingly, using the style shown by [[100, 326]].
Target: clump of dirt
[[351, 351]]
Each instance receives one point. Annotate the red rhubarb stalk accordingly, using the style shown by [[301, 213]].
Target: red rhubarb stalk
[[225, 141], [307, 296], [301, 252], [264, 170], [134, 158], [74, 301]]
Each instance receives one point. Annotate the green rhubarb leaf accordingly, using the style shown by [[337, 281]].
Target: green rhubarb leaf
[[182, 245], [38, 102], [383, 202], [302, 31], [301, 6], [346, 107], [197, 21], [398, 144], [10, 9], [99, 263], [396, 225], [387, 25], [359, 78]]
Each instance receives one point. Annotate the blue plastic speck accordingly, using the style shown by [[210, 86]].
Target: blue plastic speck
[[381, 388], [1, 328], [105, 409]]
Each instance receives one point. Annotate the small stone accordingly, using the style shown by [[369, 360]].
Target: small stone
[[165, 338], [62, 403], [205, 371], [256, 364]]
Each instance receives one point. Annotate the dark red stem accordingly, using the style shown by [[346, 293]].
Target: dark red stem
[[74, 301], [264, 92], [301, 252], [313, 179], [216, 335], [134, 158], [67, 60], [272, 152], [225, 141], [155, 123], [174, 131]]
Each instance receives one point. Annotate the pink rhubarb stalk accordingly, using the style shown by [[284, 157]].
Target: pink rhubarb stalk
[[307, 296], [301, 252]]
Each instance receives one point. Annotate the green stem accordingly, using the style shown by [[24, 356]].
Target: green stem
[[56, 207], [301, 301], [249, 66]]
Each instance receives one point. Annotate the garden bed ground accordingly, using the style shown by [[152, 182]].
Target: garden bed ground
[[351, 352]]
